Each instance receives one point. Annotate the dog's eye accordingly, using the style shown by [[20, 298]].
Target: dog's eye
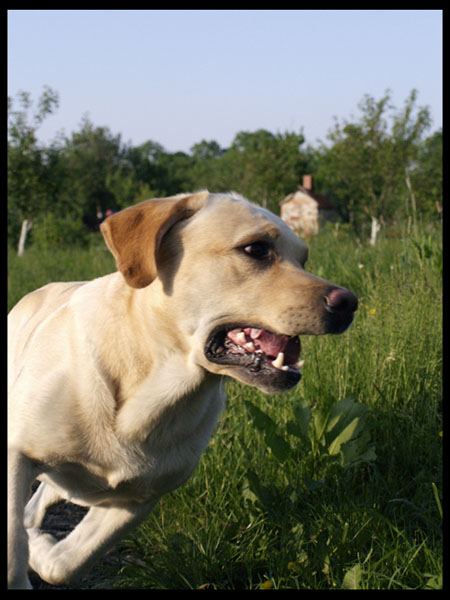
[[258, 250]]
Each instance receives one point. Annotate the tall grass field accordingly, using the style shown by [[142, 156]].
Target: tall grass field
[[336, 484]]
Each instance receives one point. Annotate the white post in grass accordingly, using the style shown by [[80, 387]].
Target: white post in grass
[[26, 226], [375, 229]]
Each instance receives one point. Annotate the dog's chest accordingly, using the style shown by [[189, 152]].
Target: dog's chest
[[160, 463]]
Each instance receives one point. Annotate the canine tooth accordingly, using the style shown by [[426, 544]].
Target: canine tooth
[[285, 368], [300, 364], [250, 346], [241, 337], [278, 362]]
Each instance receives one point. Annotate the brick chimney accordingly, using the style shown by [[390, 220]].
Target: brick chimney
[[307, 183]]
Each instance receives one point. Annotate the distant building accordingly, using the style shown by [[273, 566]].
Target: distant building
[[303, 209]]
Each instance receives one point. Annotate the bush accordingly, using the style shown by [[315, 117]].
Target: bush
[[53, 231]]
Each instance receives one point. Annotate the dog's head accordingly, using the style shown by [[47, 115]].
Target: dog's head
[[232, 275]]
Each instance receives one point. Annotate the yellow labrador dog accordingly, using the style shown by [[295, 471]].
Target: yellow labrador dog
[[115, 383]]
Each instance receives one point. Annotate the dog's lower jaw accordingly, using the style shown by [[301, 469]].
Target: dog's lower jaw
[[264, 377]]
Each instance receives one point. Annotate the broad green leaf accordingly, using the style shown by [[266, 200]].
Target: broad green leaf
[[345, 436], [356, 452], [320, 421], [280, 448], [343, 412], [352, 579], [296, 429], [262, 493], [302, 420]]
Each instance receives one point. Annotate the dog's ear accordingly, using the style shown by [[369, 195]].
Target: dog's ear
[[134, 234]]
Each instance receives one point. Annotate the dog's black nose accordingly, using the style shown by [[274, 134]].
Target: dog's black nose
[[340, 304], [340, 300]]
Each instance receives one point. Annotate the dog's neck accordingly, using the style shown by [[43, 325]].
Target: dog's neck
[[153, 362]]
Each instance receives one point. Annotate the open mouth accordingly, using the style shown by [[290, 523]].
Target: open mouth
[[265, 359]]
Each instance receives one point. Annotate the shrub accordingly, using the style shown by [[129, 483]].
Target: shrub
[[53, 231]]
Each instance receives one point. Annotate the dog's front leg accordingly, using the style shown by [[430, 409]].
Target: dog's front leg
[[44, 497], [69, 559], [20, 477]]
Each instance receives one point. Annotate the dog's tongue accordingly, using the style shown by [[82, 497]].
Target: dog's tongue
[[270, 344]]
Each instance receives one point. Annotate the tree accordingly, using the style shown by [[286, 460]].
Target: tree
[[426, 175], [365, 166], [206, 161], [206, 150], [91, 156], [29, 165], [175, 173], [263, 166], [137, 176], [160, 172]]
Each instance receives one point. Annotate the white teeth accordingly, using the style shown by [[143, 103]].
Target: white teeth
[[241, 337], [278, 362]]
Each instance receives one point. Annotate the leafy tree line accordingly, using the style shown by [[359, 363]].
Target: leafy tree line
[[381, 164]]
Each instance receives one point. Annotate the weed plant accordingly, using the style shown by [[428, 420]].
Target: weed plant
[[285, 497]]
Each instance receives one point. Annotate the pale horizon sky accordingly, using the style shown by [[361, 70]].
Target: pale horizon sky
[[178, 77]]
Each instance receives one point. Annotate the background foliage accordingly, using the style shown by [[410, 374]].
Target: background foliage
[[363, 168]]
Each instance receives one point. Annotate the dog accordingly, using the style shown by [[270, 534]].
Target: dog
[[115, 384]]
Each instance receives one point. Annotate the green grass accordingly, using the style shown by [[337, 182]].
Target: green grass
[[311, 525]]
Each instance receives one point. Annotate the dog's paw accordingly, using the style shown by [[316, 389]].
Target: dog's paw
[[40, 546]]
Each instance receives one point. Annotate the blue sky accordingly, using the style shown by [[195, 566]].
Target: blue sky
[[178, 77]]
